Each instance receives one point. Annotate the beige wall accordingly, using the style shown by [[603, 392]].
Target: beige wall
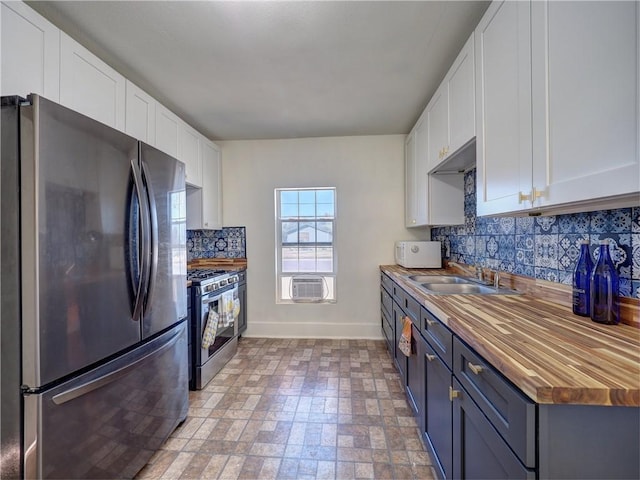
[[368, 173]]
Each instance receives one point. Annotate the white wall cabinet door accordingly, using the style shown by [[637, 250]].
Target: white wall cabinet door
[[30, 53], [189, 153], [410, 199], [585, 101], [437, 115], [451, 113], [204, 205], [140, 116], [462, 98], [503, 108], [90, 86], [167, 130]]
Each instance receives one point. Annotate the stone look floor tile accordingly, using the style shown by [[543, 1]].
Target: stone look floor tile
[[299, 409]]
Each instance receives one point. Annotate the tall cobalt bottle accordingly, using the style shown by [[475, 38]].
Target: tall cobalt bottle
[[605, 300], [582, 282]]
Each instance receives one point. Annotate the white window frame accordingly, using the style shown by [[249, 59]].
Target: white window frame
[[284, 279]]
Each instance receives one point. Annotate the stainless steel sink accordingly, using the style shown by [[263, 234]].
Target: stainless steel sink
[[464, 289], [438, 279]]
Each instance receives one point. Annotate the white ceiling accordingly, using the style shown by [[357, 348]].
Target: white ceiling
[[255, 70]]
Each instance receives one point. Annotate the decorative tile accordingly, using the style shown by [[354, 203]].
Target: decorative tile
[[546, 251], [619, 250], [226, 243], [550, 274], [635, 256], [569, 250], [526, 270], [574, 223], [635, 220], [545, 225], [524, 225], [546, 246], [613, 221], [565, 277], [635, 289]]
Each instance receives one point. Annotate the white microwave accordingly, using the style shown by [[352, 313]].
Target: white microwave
[[418, 254]]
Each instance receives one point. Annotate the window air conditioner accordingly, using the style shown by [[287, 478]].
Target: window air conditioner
[[307, 289]]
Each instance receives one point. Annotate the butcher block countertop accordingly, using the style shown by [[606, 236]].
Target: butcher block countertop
[[552, 355]]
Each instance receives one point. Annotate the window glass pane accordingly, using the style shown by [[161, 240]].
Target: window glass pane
[[307, 259], [290, 259], [325, 210], [307, 196], [288, 196], [289, 232], [324, 196], [325, 231], [325, 259], [289, 210], [307, 210], [308, 232]]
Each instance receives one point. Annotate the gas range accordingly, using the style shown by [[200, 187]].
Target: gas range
[[208, 280]]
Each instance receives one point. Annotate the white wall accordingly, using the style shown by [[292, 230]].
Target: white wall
[[368, 173]]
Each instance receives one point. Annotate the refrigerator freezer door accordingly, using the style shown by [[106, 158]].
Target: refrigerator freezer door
[[108, 422], [166, 299], [77, 296]]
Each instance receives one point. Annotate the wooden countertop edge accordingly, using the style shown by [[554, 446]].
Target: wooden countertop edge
[[533, 386]]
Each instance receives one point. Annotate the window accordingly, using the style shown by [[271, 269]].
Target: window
[[305, 244]]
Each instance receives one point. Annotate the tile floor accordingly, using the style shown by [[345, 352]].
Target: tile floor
[[303, 409]]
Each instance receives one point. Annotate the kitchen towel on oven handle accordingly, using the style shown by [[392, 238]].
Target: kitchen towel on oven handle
[[210, 329], [229, 307]]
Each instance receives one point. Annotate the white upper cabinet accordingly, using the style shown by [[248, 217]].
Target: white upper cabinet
[[430, 199], [204, 205], [140, 116], [557, 106], [451, 113], [437, 113], [503, 93], [167, 130], [585, 101], [410, 197], [462, 98], [90, 86], [30, 53], [189, 152]]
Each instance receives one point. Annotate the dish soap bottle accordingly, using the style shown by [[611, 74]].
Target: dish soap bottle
[[605, 300], [582, 281]]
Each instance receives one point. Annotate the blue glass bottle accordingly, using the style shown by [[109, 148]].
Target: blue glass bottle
[[605, 299], [582, 281]]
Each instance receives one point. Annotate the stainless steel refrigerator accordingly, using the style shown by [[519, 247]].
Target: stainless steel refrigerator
[[93, 280]]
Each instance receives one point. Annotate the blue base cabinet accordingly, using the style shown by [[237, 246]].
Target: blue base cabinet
[[477, 425]]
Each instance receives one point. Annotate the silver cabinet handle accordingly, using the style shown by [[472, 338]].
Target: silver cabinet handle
[[430, 358]]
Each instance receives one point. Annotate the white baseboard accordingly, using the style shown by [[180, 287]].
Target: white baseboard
[[356, 331]]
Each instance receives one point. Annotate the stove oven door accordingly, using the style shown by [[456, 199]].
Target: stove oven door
[[224, 334]]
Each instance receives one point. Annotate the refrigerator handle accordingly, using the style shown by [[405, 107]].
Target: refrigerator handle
[[110, 377], [154, 235], [145, 234]]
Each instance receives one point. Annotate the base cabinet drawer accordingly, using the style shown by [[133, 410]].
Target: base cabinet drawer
[[478, 450], [511, 413]]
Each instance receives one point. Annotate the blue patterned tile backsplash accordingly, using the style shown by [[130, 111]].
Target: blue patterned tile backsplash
[[230, 242], [543, 247]]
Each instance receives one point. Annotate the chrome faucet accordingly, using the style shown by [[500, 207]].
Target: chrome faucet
[[479, 272], [496, 279]]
